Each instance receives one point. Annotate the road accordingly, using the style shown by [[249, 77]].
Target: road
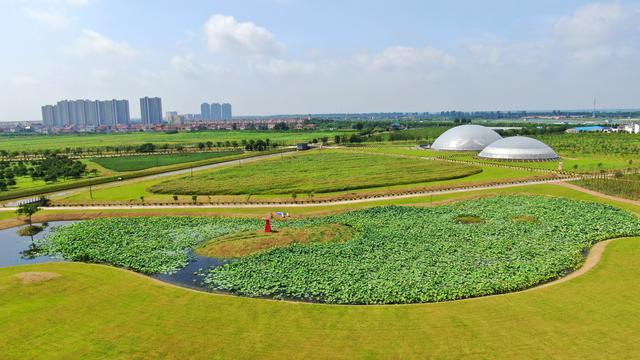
[[65, 193]]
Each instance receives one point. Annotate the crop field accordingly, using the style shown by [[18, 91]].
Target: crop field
[[574, 162], [397, 255], [141, 162], [626, 186], [131, 192], [614, 145], [63, 141], [328, 171]]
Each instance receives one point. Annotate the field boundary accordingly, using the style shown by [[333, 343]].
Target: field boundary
[[359, 199]]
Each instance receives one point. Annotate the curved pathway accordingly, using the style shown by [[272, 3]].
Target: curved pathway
[[310, 204]]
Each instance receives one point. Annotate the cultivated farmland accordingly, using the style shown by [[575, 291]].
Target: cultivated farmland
[[320, 172]]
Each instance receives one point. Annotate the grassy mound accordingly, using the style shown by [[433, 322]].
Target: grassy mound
[[141, 162], [318, 172], [252, 242]]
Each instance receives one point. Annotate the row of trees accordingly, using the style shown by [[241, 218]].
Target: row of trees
[[49, 169]]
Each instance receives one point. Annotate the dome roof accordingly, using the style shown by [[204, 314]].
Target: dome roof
[[518, 148], [466, 138]]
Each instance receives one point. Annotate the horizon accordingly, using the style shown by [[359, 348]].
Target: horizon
[[298, 57]]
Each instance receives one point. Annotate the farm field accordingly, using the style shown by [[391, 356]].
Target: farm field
[[626, 186], [42, 142], [142, 162], [50, 318], [320, 172], [574, 162], [133, 191]]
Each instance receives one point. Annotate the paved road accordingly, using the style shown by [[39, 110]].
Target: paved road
[[65, 193], [336, 202]]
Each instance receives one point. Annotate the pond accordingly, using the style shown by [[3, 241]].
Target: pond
[[18, 250]]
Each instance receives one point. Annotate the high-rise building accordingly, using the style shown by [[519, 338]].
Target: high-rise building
[[226, 111], [49, 115], [122, 112], [216, 111], [63, 113], [205, 111], [86, 113], [151, 110]]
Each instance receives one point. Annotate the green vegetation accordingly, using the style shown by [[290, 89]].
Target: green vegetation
[[144, 244], [39, 187], [93, 311], [71, 142], [397, 255], [251, 242], [615, 145], [408, 255], [141, 162], [626, 186], [319, 172]]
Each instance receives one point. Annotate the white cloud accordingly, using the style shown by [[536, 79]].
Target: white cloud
[[226, 35], [599, 32], [73, 3], [187, 65], [92, 43], [24, 80], [410, 58], [597, 24], [51, 18], [287, 68]]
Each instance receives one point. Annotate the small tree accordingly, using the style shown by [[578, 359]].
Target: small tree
[[194, 198], [175, 198], [294, 196], [28, 210]]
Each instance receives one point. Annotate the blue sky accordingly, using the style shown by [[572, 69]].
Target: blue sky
[[295, 56]]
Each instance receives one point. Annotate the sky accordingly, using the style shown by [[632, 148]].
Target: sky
[[299, 56]]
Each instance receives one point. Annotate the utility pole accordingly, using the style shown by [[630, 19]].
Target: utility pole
[[90, 192]]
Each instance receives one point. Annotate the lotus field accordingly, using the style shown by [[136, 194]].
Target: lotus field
[[397, 255]]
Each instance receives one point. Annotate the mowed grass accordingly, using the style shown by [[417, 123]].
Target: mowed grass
[[93, 311], [141, 162], [317, 172]]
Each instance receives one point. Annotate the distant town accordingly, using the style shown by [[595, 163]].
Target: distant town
[[104, 116]]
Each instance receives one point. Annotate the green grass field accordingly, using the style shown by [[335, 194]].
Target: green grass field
[[141, 162], [41, 142], [98, 311], [319, 172]]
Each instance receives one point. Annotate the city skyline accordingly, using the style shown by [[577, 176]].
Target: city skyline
[[279, 57]]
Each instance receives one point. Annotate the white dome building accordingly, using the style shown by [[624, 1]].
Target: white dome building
[[518, 148], [465, 138]]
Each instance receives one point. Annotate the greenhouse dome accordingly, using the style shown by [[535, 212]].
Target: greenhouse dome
[[518, 148], [465, 138]]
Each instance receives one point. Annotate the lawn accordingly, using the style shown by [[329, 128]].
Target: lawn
[[141, 162], [93, 311], [318, 172]]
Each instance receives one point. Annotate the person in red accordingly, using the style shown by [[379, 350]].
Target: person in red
[[267, 225]]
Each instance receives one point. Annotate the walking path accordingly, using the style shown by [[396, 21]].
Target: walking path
[[310, 204]]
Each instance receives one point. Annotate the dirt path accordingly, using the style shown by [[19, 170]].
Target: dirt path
[[599, 194]]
